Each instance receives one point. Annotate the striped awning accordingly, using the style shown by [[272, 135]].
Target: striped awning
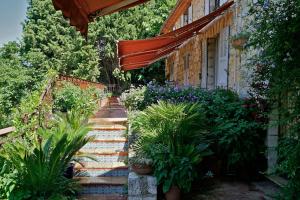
[[81, 12], [134, 54]]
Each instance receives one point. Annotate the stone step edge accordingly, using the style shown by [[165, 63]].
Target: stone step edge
[[108, 128], [98, 169], [102, 151], [109, 141], [102, 180], [122, 153], [100, 165], [108, 119], [102, 197]]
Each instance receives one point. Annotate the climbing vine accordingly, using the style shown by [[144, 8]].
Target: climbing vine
[[275, 37]]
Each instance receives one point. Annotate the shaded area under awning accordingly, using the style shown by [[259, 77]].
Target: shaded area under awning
[[134, 54], [81, 12]]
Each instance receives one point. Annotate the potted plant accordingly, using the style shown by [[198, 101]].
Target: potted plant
[[239, 40], [140, 164], [169, 134], [176, 170]]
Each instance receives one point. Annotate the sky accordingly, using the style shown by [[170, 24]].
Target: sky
[[12, 14]]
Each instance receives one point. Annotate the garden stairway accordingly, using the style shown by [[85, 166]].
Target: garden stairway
[[105, 176]]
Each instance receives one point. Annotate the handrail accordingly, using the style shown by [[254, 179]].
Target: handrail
[[50, 83], [5, 131]]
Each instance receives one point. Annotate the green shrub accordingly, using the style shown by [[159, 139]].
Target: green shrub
[[170, 135], [289, 162], [70, 96], [236, 134], [15, 83], [133, 99], [30, 113]]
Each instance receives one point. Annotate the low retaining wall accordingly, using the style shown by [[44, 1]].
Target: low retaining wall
[[141, 187]]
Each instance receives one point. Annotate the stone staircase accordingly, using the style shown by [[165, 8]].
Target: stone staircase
[[104, 175]]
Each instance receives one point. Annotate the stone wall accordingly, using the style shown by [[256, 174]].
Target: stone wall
[[141, 187], [192, 47]]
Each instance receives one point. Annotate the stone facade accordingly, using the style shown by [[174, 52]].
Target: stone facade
[[204, 54]]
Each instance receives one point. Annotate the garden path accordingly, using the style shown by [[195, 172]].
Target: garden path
[[105, 176]]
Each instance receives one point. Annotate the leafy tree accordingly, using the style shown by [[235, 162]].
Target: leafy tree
[[50, 43], [137, 23], [15, 81]]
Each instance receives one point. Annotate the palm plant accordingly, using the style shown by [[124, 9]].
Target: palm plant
[[172, 135], [41, 167], [170, 124]]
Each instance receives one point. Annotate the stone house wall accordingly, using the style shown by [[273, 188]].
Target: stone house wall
[[238, 76]]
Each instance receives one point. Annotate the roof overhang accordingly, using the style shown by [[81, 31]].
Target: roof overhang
[[134, 54], [81, 12], [180, 8]]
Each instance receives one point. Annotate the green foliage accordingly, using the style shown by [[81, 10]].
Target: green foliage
[[228, 118], [133, 99], [239, 138], [177, 169], [16, 81], [49, 42], [170, 135], [37, 168], [30, 112], [71, 97], [275, 32], [289, 150]]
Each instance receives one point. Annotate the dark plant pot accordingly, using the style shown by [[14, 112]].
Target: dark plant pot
[[142, 169], [173, 193], [69, 173]]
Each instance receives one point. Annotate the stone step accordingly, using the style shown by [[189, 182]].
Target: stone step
[[118, 181], [103, 189], [103, 172], [108, 120], [91, 165], [90, 151], [106, 158], [115, 145], [108, 134], [102, 197], [108, 127]]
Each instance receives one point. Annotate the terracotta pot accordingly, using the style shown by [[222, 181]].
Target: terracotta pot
[[142, 169], [239, 43], [173, 193]]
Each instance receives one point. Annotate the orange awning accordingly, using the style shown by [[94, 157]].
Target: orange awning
[[81, 12], [134, 54]]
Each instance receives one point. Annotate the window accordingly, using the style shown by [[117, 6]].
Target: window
[[187, 16], [206, 7], [186, 65]]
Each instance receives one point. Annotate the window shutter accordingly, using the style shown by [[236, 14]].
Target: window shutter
[[182, 21], [206, 7], [190, 14]]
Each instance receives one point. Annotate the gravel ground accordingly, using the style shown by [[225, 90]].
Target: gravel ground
[[234, 190]]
